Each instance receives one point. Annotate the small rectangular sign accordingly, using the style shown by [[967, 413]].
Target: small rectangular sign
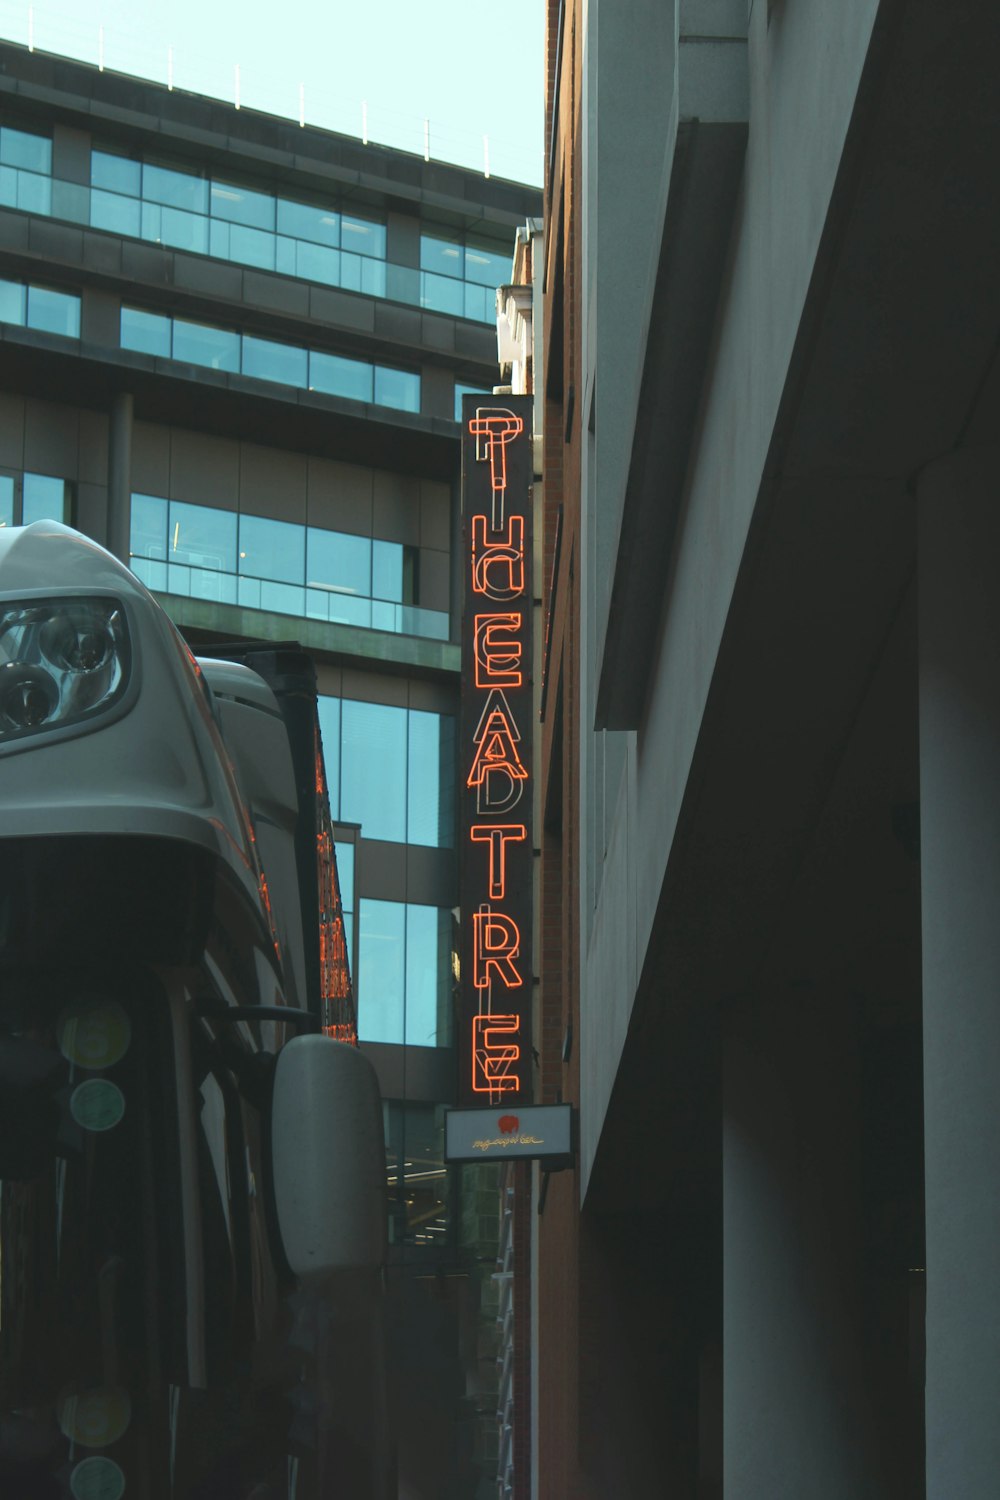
[[537, 1130]]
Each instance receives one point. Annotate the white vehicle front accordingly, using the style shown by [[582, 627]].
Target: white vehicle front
[[187, 1271]]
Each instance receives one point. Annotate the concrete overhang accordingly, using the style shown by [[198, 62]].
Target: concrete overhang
[[704, 177]]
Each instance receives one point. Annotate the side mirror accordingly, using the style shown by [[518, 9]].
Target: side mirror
[[328, 1158]]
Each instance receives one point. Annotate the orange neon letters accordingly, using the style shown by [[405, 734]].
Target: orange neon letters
[[496, 749], [496, 942], [496, 427], [492, 1060], [497, 650], [498, 566], [497, 835]]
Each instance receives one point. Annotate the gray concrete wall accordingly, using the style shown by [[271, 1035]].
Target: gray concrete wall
[[804, 74]]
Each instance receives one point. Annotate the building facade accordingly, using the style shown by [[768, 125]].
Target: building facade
[[233, 351], [771, 852]]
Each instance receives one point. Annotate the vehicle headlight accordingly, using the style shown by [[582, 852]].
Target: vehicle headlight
[[61, 662]]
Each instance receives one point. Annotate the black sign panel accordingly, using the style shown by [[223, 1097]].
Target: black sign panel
[[496, 790]]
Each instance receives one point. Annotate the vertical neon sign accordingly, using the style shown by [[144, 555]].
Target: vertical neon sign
[[496, 765]]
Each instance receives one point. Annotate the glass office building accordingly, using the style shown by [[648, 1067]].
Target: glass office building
[[234, 352]]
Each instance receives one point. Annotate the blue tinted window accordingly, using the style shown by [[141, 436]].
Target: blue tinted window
[[381, 971], [44, 499], [393, 748], [329, 727], [267, 360], [202, 537], [241, 206], [338, 376], [6, 500], [316, 263], [20, 149], [398, 388], [373, 278], [147, 332], [199, 344], [373, 769], [362, 236], [185, 231], [339, 562], [430, 812], [12, 302], [272, 549], [345, 874], [487, 265], [441, 255], [442, 295], [148, 536], [303, 221], [116, 173], [34, 193], [387, 571], [251, 247], [428, 970], [176, 189], [115, 213], [53, 312], [480, 302]]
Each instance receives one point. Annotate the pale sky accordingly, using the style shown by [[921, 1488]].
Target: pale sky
[[471, 69]]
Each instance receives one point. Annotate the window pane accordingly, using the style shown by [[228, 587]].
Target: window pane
[[272, 549], [34, 193], [12, 301], [340, 377], [282, 598], [113, 212], [329, 728], [339, 562], [152, 574], [251, 247], [148, 535], [6, 500], [54, 312], [381, 970], [116, 173], [183, 230], [428, 945], [373, 277], [350, 272], [480, 303], [440, 255], [398, 388], [199, 344], [373, 769], [177, 189], [205, 583], [147, 332], [430, 802], [317, 263], [345, 875], [304, 221], [241, 206], [19, 149], [387, 571], [266, 360], [8, 186], [44, 499], [152, 215], [202, 536], [362, 236], [487, 265]]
